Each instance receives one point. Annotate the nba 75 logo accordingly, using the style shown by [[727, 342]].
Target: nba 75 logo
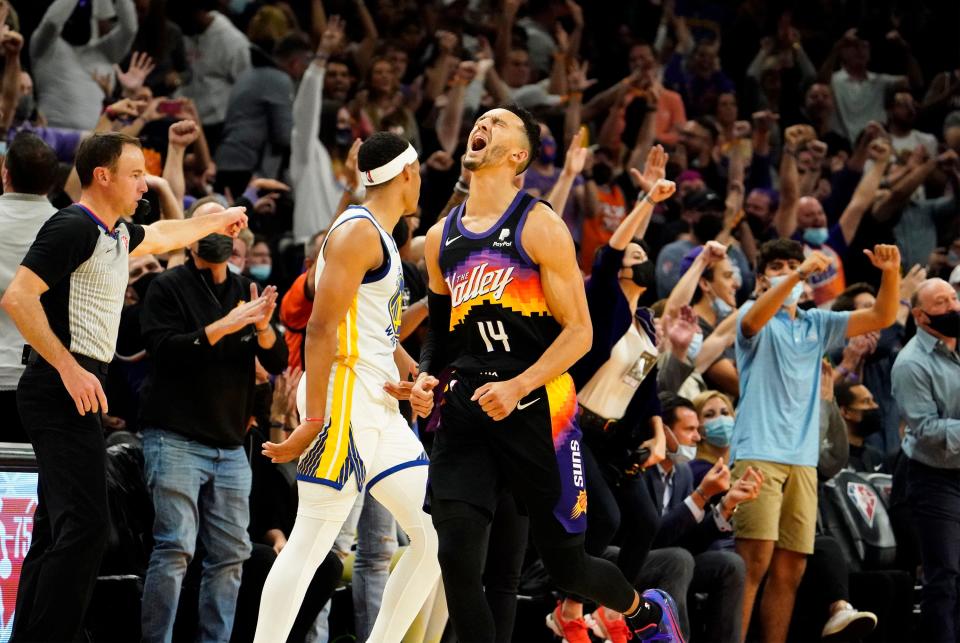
[[479, 282]]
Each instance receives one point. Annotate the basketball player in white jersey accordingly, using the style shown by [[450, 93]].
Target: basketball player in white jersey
[[351, 436]]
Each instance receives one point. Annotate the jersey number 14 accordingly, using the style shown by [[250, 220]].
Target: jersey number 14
[[491, 332]]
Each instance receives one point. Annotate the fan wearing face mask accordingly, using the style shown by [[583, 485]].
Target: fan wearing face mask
[[861, 413], [926, 384], [710, 279], [619, 408], [716, 414]]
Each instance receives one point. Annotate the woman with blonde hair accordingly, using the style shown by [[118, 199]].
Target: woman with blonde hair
[[716, 413]]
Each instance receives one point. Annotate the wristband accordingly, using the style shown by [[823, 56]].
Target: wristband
[[461, 187], [904, 302], [701, 494], [649, 200], [313, 420], [803, 275]]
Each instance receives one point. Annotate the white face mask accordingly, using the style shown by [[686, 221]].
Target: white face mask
[[795, 293], [685, 453], [235, 269]]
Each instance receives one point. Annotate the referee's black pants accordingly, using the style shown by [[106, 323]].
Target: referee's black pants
[[71, 521]]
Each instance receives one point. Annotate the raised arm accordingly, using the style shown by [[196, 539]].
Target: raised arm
[[450, 119], [635, 224], [884, 310], [364, 53], [572, 167], [11, 43], [180, 136], [785, 219], [866, 190], [351, 250], [116, 44], [682, 294], [164, 236], [550, 246], [773, 299], [47, 32]]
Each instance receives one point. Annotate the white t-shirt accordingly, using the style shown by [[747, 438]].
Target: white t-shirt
[[860, 101], [216, 58], [609, 391], [21, 216]]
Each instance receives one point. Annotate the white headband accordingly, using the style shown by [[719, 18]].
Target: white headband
[[385, 172]]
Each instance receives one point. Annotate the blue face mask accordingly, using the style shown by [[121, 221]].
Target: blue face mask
[[260, 272], [816, 236], [695, 347], [548, 150], [721, 308], [794, 295], [718, 431]]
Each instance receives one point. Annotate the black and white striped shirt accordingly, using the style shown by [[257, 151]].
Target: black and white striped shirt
[[85, 266]]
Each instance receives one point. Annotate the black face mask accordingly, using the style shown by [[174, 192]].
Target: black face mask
[[26, 106], [215, 248], [947, 324], [758, 228], [708, 227], [807, 305], [869, 423], [643, 274], [344, 136], [602, 173]]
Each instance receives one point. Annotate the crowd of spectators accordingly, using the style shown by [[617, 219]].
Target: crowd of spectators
[[700, 153]]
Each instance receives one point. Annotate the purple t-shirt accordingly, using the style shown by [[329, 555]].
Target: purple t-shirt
[[571, 215], [63, 141]]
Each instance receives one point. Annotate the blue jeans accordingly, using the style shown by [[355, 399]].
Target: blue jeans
[[376, 545], [195, 489]]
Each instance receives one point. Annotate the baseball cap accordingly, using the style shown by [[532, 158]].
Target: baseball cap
[[703, 201]]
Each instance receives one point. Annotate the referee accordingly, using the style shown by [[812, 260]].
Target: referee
[[66, 300]]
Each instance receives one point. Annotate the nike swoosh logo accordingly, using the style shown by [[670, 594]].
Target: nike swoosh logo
[[520, 407], [449, 241], [197, 341]]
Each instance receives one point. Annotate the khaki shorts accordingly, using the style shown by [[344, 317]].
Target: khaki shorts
[[786, 509]]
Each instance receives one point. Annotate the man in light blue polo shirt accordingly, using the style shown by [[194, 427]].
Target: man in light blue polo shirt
[[779, 351]]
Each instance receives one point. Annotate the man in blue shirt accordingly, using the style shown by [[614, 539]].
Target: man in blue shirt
[[779, 350], [926, 384]]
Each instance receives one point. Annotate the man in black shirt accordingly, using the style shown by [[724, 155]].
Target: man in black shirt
[[204, 328], [861, 413], [66, 300]]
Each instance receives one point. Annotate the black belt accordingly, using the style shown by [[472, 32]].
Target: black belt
[[88, 363], [590, 422]]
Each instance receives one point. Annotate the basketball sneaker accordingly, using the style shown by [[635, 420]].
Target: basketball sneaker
[[668, 629], [608, 626], [571, 631]]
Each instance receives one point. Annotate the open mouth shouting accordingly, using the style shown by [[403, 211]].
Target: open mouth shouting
[[478, 142]]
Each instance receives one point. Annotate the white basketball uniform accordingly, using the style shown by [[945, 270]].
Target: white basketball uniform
[[364, 434]]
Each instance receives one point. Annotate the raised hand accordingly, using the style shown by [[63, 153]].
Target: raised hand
[[125, 107], [183, 133], [796, 136], [577, 154], [884, 257], [680, 330], [911, 281], [262, 183], [11, 42], [350, 165], [714, 251], [745, 489], [440, 161], [815, 262], [577, 78], [662, 190], [879, 150], [333, 36], [654, 169], [141, 64], [742, 129]]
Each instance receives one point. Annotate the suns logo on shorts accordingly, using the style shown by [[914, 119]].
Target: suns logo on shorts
[[580, 506]]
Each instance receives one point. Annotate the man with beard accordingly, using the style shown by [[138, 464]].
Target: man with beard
[[901, 115], [926, 383], [861, 413]]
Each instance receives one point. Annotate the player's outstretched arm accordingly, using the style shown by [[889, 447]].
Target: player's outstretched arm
[[351, 250], [547, 241]]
